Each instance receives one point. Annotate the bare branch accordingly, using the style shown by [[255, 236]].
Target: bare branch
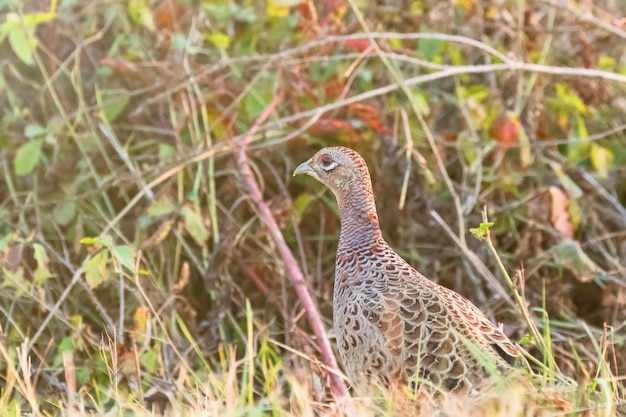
[[338, 386], [588, 17]]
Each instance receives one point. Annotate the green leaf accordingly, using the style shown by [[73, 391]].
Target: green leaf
[[429, 49], [125, 255], [573, 190], [220, 11], [150, 360], [34, 130], [140, 13], [195, 226], [65, 345], [606, 63], [527, 340], [21, 33], [257, 100], [90, 241], [161, 208], [422, 103], [578, 151], [33, 20], [480, 232], [96, 269], [77, 321], [321, 72], [22, 45], [570, 255], [83, 375], [112, 107], [245, 14], [302, 202], [105, 241], [220, 40], [7, 239], [27, 157], [63, 213], [276, 10], [15, 279], [254, 104], [602, 160], [166, 152], [569, 98], [583, 133], [467, 144], [42, 272]]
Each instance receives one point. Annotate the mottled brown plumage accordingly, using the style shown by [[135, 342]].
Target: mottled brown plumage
[[391, 322]]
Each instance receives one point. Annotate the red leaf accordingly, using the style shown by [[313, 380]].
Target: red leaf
[[505, 129], [559, 217], [358, 44]]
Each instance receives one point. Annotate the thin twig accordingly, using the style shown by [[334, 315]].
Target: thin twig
[[587, 17], [53, 311], [475, 260], [404, 86], [337, 384], [315, 113], [596, 186], [448, 72], [516, 295], [507, 62]]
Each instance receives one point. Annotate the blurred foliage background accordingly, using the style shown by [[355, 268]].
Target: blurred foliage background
[[133, 266]]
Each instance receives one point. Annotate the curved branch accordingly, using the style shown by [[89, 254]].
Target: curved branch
[[337, 385]]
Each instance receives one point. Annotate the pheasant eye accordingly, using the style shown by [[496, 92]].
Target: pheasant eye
[[328, 163]]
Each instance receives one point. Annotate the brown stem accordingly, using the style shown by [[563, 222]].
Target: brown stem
[[337, 385], [256, 279], [265, 291]]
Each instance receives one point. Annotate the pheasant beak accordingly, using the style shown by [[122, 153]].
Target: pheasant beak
[[304, 168]]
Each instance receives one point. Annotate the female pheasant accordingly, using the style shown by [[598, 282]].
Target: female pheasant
[[392, 323]]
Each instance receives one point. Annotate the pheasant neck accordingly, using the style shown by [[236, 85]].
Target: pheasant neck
[[359, 220]]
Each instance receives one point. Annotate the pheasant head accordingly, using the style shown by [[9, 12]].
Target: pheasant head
[[345, 172]]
